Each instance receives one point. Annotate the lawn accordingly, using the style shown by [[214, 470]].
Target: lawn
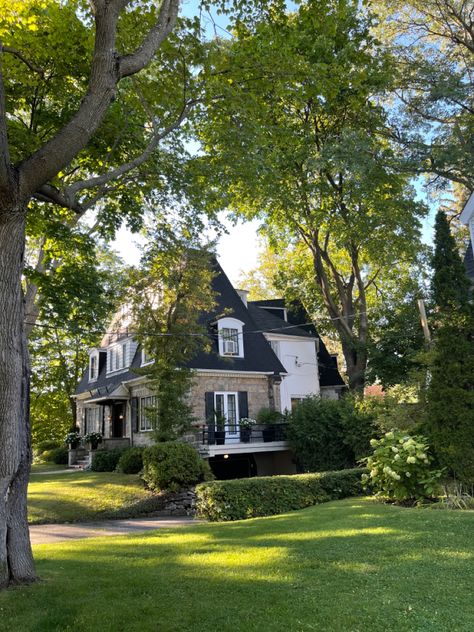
[[71, 497], [345, 566], [47, 467]]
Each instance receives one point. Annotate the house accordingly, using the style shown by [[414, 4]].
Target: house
[[263, 355], [467, 217]]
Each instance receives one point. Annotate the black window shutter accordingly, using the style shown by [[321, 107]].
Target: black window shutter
[[134, 413], [209, 411], [243, 404]]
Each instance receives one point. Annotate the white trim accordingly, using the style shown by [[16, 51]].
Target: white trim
[[228, 322], [269, 335], [246, 448], [468, 210]]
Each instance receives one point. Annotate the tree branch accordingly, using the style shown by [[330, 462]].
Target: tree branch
[[131, 64], [31, 65], [5, 167]]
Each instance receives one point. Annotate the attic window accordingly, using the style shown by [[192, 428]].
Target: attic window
[[230, 337], [93, 367]]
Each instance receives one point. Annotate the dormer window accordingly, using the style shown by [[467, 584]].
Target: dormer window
[[231, 340], [146, 358], [93, 366], [118, 356]]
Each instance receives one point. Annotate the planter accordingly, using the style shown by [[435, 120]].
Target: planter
[[245, 434], [219, 437], [74, 446]]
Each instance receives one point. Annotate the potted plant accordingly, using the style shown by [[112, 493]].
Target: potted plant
[[93, 439], [246, 424], [270, 419], [220, 430], [73, 440]]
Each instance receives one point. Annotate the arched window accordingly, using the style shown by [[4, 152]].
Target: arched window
[[231, 338]]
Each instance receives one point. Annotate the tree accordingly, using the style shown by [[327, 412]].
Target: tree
[[118, 39], [433, 43], [75, 304], [169, 294], [450, 397], [298, 137]]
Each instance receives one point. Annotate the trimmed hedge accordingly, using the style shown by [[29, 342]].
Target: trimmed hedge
[[131, 461], [106, 460], [266, 496]]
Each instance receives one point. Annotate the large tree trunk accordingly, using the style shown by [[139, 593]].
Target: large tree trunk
[[16, 560], [356, 365]]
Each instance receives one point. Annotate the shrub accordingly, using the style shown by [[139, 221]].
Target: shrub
[[172, 465], [265, 496], [329, 434], [400, 468], [131, 461], [48, 444], [60, 455], [269, 416], [106, 460], [47, 456]]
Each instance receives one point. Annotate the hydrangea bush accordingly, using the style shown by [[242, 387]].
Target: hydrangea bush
[[400, 468]]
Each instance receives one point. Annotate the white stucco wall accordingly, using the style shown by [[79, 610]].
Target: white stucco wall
[[298, 356]]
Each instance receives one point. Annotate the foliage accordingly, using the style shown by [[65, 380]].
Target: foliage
[[47, 444], [400, 468], [60, 455], [265, 496], [94, 438], [299, 139], [169, 294], [171, 466], [269, 416], [131, 461], [72, 438], [106, 460], [329, 434], [449, 421]]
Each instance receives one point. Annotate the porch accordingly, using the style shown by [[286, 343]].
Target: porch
[[230, 439]]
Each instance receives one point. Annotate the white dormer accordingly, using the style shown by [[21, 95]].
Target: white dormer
[[120, 355], [93, 365], [230, 337]]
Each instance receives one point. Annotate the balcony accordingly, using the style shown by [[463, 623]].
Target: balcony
[[231, 438]]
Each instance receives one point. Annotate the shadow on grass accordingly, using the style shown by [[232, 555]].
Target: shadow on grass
[[350, 565]]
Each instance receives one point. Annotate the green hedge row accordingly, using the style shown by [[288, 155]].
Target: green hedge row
[[269, 495]]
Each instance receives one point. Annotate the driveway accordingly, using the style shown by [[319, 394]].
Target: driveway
[[51, 533]]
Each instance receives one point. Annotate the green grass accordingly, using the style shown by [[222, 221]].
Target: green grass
[[47, 467], [345, 566], [72, 497]]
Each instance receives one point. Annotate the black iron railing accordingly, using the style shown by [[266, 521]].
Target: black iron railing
[[232, 433]]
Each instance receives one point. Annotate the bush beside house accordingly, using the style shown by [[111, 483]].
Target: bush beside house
[[265, 496], [172, 465]]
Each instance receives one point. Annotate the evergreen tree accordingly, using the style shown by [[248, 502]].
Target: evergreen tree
[[450, 397]]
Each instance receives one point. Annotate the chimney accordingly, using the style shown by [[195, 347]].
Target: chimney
[[243, 295]]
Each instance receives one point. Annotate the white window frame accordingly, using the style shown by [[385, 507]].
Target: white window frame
[[118, 356], [144, 424], [146, 361], [225, 394], [93, 376], [227, 323]]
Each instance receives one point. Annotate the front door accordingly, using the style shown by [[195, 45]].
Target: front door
[[118, 419], [226, 407]]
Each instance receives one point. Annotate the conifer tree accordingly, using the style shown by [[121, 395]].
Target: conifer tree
[[450, 397]]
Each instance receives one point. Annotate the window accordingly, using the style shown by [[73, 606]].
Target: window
[[226, 406], [230, 337], [118, 357], [146, 357], [93, 367], [92, 419], [147, 413]]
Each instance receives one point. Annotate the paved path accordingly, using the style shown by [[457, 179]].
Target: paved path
[[50, 533]]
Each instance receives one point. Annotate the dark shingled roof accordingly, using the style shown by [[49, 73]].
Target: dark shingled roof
[[469, 262]]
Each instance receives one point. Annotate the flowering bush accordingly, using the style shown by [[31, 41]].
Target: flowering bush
[[247, 422], [400, 468], [94, 438], [73, 439]]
